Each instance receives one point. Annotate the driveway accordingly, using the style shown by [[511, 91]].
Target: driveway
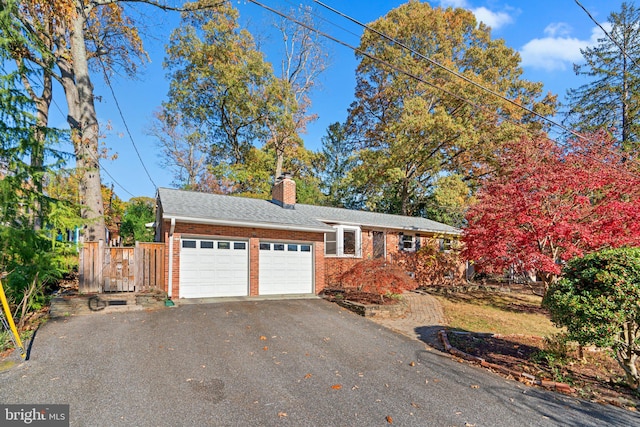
[[263, 363]]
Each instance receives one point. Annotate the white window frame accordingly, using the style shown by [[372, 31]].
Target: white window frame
[[413, 242], [340, 230]]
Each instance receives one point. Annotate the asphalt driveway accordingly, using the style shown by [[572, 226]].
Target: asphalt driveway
[[262, 363]]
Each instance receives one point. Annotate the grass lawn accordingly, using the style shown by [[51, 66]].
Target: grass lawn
[[522, 324], [497, 312]]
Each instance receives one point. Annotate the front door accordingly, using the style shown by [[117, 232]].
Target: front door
[[378, 244]]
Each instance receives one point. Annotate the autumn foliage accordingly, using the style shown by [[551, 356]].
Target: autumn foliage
[[548, 204], [432, 266], [376, 276]]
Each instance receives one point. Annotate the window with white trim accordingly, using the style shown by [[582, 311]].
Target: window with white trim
[[344, 241], [408, 242]]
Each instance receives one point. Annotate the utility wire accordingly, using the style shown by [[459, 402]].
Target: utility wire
[[115, 99], [420, 79], [91, 154], [606, 33], [449, 70]]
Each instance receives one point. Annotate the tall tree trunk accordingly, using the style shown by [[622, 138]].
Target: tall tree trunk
[[43, 103], [84, 125]]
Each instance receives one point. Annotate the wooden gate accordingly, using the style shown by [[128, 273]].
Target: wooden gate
[[121, 269]]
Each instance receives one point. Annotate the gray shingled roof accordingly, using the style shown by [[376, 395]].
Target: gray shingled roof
[[373, 219], [216, 208], [208, 207]]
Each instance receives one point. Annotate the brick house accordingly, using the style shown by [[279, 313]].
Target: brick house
[[223, 246]]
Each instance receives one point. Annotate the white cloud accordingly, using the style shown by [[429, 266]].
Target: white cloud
[[557, 51], [493, 19]]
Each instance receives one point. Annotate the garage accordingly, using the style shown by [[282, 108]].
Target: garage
[[213, 267], [285, 268]]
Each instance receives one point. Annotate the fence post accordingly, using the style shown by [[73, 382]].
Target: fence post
[[100, 268], [138, 261]]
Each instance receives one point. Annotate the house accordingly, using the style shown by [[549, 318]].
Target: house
[[223, 246]]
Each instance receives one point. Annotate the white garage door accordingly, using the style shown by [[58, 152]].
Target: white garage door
[[285, 268], [213, 268]]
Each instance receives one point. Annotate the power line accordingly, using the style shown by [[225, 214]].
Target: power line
[[420, 79], [91, 154], [115, 99], [606, 33], [455, 73]]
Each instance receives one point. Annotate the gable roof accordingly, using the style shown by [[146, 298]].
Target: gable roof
[[208, 208]]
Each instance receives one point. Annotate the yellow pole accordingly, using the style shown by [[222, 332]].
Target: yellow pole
[[12, 325]]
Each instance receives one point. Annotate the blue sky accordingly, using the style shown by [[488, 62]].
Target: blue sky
[[548, 34]]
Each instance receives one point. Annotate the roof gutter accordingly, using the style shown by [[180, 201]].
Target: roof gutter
[[249, 224], [454, 232], [171, 230]]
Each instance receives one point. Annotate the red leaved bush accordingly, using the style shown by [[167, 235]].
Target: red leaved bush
[[377, 276], [432, 266]]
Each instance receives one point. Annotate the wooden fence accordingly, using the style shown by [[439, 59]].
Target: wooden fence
[[121, 269]]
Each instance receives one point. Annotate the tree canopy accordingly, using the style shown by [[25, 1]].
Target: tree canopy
[[611, 100], [416, 121], [548, 204]]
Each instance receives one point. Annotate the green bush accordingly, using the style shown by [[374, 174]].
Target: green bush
[[598, 301]]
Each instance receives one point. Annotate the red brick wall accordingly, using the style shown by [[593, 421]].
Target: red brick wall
[[335, 266], [254, 235]]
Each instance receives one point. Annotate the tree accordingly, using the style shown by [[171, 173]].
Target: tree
[[139, 212], [218, 83], [411, 131], [29, 255], [338, 159], [611, 101], [548, 204], [71, 34], [183, 152], [304, 59], [598, 301]]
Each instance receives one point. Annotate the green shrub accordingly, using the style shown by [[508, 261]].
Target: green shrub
[[598, 301]]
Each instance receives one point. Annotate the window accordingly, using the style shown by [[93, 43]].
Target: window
[[206, 244], [292, 248], [240, 245], [224, 245], [278, 247], [188, 243], [265, 246], [447, 244], [345, 241], [305, 248], [408, 242], [331, 243]]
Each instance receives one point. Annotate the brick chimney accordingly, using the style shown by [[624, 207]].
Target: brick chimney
[[284, 191]]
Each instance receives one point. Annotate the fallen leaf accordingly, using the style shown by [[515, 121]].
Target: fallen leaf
[[306, 377], [389, 419], [475, 386], [282, 414], [469, 425], [355, 387], [415, 405], [265, 348], [336, 386], [412, 364], [263, 338]]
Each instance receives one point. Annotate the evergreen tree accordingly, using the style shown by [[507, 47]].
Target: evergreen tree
[[611, 100]]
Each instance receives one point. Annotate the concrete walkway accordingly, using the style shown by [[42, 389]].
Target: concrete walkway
[[422, 321]]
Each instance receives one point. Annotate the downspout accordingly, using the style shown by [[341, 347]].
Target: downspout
[[171, 230]]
